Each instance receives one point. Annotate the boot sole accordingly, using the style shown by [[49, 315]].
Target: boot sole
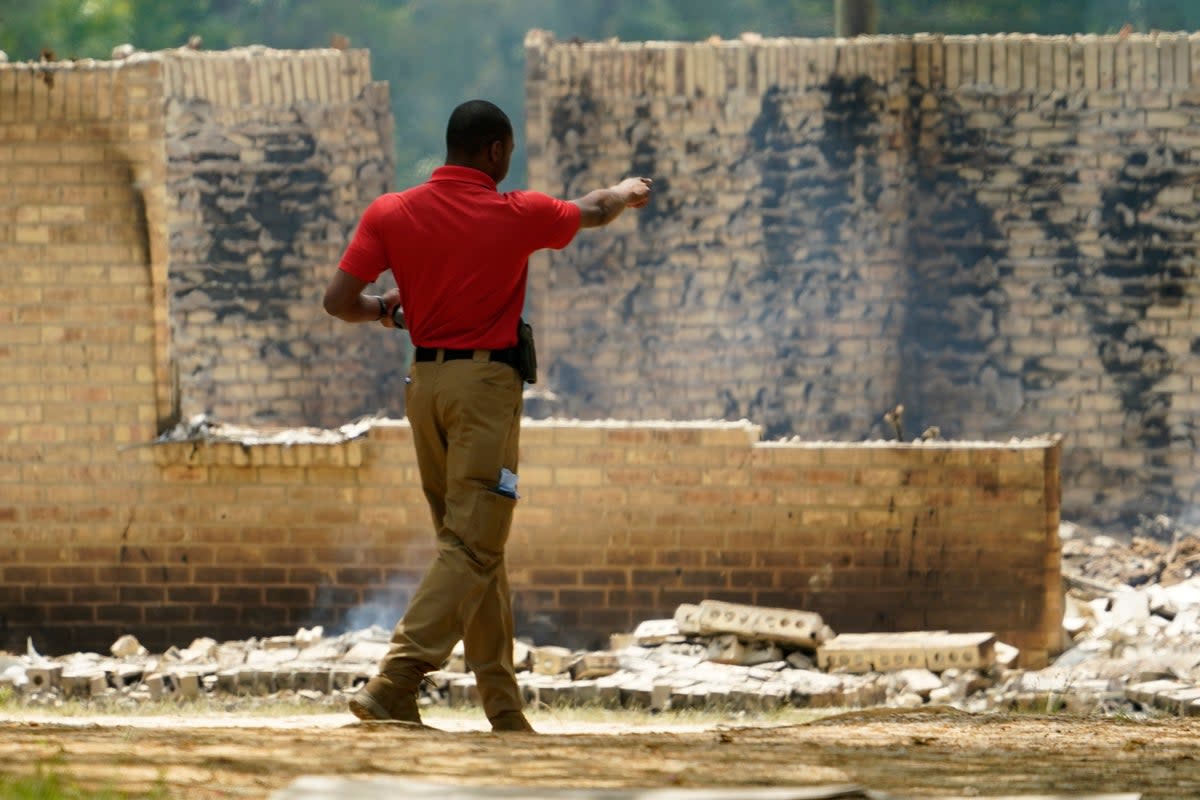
[[364, 706]]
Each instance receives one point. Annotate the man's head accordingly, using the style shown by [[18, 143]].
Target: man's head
[[479, 135]]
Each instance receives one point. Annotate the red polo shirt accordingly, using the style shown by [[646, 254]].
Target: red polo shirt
[[459, 251]]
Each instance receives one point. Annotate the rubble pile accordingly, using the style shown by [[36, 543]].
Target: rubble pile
[[1131, 644]]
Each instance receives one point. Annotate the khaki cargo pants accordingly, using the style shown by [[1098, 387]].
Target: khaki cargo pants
[[466, 418]]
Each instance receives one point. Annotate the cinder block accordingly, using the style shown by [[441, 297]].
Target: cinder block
[[155, 685], [727, 649], [687, 619], [552, 660], [188, 684], [887, 652], [78, 684], [463, 692], [1144, 693], [594, 665], [44, 677], [1177, 701], [656, 631], [313, 680]]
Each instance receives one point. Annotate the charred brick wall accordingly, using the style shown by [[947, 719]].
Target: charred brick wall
[[998, 232], [271, 158]]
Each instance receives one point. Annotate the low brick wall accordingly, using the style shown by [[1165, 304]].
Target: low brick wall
[[619, 522]]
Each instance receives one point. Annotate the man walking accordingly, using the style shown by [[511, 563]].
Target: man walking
[[459, 252]]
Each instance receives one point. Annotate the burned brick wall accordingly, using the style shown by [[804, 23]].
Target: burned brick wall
[[269, 166], [998, 233]]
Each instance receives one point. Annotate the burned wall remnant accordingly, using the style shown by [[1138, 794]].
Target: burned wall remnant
[[998, 232], [269, 163]]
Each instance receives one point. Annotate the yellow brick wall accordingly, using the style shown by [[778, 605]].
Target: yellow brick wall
[[100, 536], [82, 331]]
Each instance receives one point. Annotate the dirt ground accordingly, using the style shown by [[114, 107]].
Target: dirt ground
[[927, 753]]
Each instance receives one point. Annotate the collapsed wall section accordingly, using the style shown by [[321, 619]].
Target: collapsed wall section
[[1000, 233], [271, 158]]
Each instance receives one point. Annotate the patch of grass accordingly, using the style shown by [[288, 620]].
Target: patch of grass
[[50, 785]]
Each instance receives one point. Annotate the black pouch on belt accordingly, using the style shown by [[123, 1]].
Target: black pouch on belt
[[526, 352]]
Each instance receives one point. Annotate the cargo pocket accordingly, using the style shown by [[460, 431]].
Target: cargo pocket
[[489, 523]]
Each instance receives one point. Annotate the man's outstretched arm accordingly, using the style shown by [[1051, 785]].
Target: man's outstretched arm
[[604, 205]]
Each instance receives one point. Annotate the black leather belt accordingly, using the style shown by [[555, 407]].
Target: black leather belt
[[505, 356]]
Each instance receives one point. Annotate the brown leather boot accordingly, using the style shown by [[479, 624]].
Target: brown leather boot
[[381, 700], [511, 722]]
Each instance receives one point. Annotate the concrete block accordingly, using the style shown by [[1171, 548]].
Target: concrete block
[[155, 686], [367, 651], [127, 646], [637, 694], [687, 619], [727, 649], [522, 655], [227, 681], [124, 675], [656, 631], [252, 681], [463, 692], [918, 681], [555, 695], [44, 677], [1177, 701], [315, 680], [660, 696], [188, 684], [1144, 693], [620, 641], [888, 652], [79, 684], [608, 694], [586, 692], [755, 623], [960, 651], [594, 665], [552, 660]]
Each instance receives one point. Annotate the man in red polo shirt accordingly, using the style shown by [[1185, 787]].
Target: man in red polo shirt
[[459, 252]]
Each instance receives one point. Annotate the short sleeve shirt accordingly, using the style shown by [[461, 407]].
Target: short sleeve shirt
[[459, 251]]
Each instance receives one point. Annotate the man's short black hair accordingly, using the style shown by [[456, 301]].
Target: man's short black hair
[[473, 127]]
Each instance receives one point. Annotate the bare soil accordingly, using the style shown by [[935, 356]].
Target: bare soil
[[924, 753]]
